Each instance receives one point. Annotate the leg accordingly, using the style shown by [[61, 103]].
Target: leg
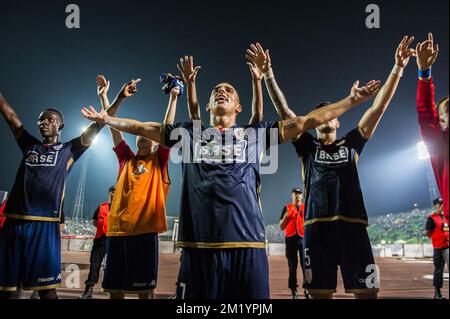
[[291, 255], [97, 254], [438, 275], [358, 268], [320, 253]]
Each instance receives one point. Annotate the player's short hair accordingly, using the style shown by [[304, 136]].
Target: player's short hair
[[58, 113], [445, 98], [112, 189], [438, 201], [322, 104]]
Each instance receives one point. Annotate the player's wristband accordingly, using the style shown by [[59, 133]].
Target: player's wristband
[[269, 74], [398, 70], [425, 74]]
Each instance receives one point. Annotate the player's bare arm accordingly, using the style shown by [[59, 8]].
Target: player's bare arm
[[372, 117], [169, 118], [295, 126], [151, 130], [261, 58], [257, 101], [102, 92], [189, 73], [427, 53], [91, 132], [10, 116]]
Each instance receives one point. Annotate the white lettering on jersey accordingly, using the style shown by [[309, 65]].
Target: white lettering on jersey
[[323, 157], [36, 159]]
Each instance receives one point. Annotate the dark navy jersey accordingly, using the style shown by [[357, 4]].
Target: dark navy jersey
[[220, 205], [330, 175], [38, 191]]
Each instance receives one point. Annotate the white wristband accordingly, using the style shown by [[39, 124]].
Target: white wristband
[[269, 74], [398, 70]]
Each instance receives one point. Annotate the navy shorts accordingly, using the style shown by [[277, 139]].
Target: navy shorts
[[328, 245], [30, 255], [237, 273], [131, 263]]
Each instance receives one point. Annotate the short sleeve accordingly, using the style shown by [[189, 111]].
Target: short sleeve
[[355, 140], [171, 134], [304, 144], [271, 132], [77, 148], [430, 225], [26, 141], [123, 153], [283, 212]]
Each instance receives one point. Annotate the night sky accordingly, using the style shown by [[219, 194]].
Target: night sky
[[318, 49]]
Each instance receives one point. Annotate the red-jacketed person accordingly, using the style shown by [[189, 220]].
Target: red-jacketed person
[[433, 119]]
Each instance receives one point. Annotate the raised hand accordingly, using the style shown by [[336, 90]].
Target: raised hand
[[102, 85], [427, 53], [254, 70], [403, 52], [187, 69], [175, 92], [94, 116], [129, 89], [364, 93], [259, 58]]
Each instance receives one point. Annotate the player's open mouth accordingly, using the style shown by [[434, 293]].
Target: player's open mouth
[[221, 98]]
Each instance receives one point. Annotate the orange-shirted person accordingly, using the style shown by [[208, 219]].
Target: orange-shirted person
[[138, 210], [291, 221], [437, 229], [100, 221]]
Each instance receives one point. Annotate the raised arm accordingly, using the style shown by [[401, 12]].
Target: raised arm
[[151, 130], [189, 72], [91, 132], [372, 117], [102, 92], [10, 116], [261, 58], [295, 126], [257, 101], [428, 117], [169, 118]]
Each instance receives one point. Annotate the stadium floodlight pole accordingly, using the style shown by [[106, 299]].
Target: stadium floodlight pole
[[423, 154]]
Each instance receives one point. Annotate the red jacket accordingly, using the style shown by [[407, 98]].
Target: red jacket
[[295, 220], [435, 139], [439, 236], [102, 220], [2, 219]]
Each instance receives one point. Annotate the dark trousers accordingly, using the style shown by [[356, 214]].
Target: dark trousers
[[294, 249], [439, 264], [97, 255]]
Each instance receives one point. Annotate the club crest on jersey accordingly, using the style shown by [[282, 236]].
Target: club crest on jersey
[[337, 157], [140, 169], [36, 159]]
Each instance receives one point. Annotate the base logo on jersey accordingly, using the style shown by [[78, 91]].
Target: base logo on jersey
[[217, 152], [338, 157], [35, 159]]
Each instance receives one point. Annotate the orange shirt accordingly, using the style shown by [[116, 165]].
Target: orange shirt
[[139, 204]]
